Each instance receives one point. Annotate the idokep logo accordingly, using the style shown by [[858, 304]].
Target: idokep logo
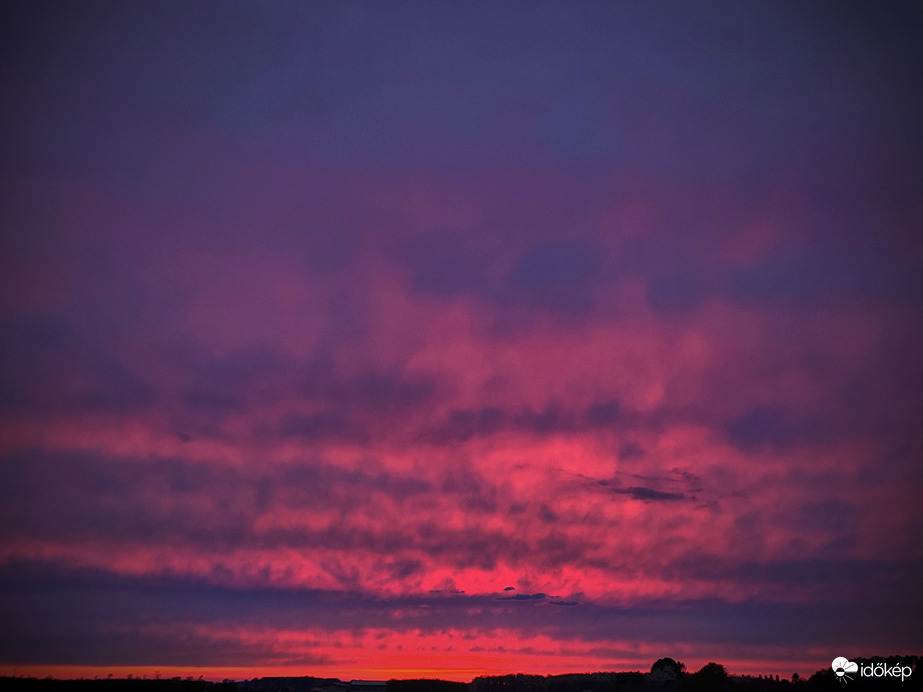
[[842, 667]]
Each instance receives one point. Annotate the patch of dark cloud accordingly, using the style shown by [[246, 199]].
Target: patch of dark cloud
[[692, 481], [55, 616], [42, 333], [558, 549], [354, 407], [408, 567], [546, 514], [603, 414], [769, 426], [383, 391], [558, 276], [76, 497], [46, 367], [630, 451], [549, 420], [487, 547], [214, 401], [464, 424], [523, 597], [777, 280], [315, 481], [223, 385], [799, 281], [829, 514], [678, 293], [134, 644], [652, 490], [828, 578], [648, 494], [473, 492], [838, 520], [480, 547], [316, 380], [862, 273], [216, 387], [368, 400], [443, 262], [320, 426]]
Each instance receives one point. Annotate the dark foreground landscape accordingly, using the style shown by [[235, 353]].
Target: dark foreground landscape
[[877, 673]]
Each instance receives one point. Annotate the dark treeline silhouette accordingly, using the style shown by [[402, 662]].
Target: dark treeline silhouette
[[669, 675], [426, 686], [666, 675], [303, 684], [114, 685]]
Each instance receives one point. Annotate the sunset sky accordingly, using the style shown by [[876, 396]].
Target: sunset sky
[[443, 339]]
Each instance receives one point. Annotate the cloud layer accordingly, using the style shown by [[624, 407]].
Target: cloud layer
[[365, 343]]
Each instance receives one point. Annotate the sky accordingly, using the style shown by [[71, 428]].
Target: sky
[[375, 340]]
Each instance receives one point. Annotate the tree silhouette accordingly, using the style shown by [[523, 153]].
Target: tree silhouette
[[712, 676], [666, 669]]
